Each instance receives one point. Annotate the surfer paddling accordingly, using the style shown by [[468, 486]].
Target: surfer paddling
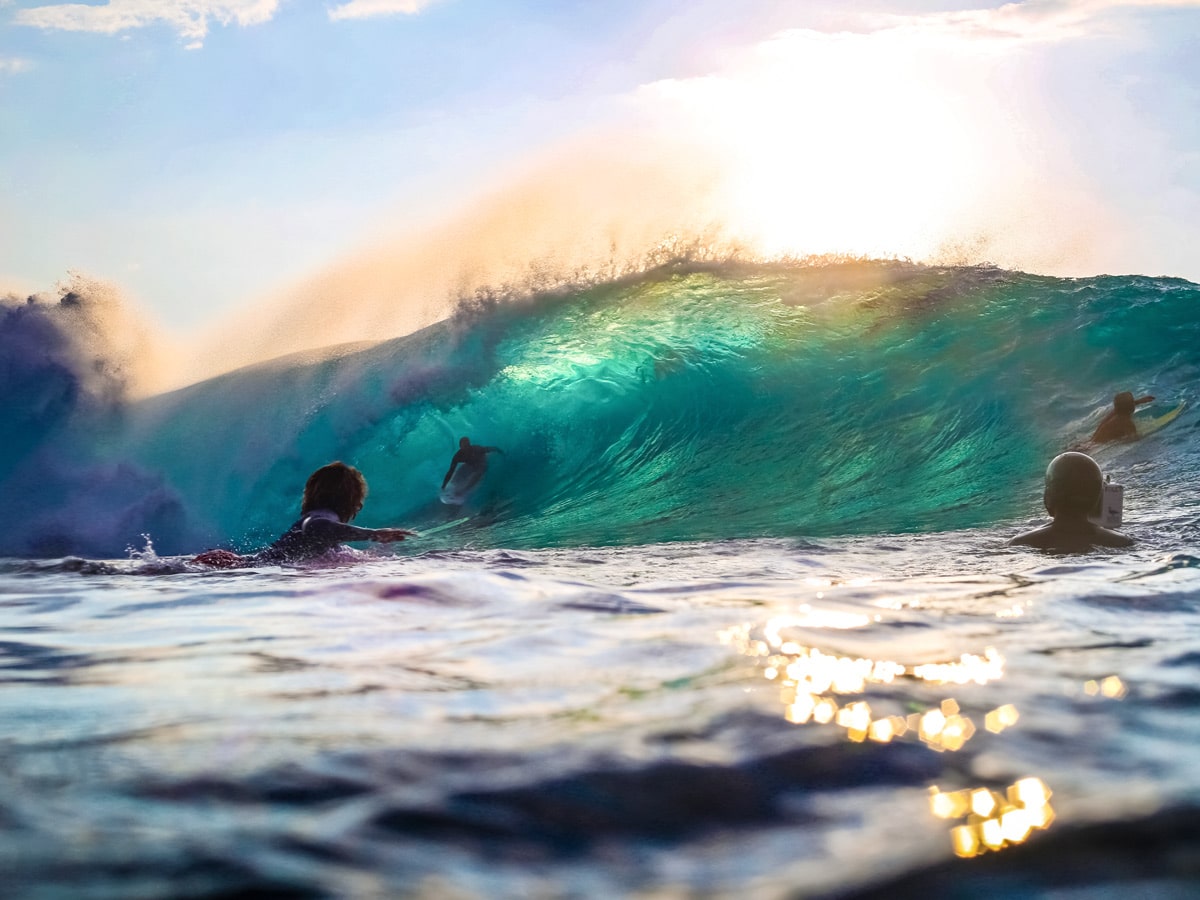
[[1118, 424], [333, 495], [473, 458], [1073, 488]]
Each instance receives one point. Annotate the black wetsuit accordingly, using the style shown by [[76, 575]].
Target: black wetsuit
[[312, 535], [473, 458], [472, 455]]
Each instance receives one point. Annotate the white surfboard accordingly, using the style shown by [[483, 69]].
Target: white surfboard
[[462, 485]]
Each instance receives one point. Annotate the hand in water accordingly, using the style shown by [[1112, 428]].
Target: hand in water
[[391, 535]]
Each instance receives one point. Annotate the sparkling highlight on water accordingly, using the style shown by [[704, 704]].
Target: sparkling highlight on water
[[993, 820]]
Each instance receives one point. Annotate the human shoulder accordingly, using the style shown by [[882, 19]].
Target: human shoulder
[[1061, 539], [1106, 537], [319, 521], [1040, 538]]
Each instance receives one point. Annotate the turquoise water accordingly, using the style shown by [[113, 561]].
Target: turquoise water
[[733, 616], [717, 402]]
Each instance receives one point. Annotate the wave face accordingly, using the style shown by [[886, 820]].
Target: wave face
[[702, 402]]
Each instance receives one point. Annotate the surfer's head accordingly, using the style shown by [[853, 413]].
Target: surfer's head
[[464, 442], [1124, 403], [337, 487], [1073, 485]]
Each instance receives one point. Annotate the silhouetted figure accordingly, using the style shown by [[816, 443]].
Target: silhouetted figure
[[472, 457], [333, 495], [1073, 488], [1118, 424]]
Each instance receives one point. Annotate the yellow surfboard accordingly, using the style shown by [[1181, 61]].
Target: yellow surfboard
[[1149, 426]]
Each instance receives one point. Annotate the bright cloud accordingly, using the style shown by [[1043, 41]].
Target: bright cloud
[[189, 18], [1030, 19], [366, 9]]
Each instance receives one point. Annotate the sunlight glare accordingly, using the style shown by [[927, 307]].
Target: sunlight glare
[[842, 143]]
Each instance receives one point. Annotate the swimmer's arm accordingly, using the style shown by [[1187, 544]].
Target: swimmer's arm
[[493, 450], [1140, 400], [340, 531], [389, 535], [223, 559]]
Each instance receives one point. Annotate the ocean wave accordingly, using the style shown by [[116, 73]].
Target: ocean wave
[[700, 400]]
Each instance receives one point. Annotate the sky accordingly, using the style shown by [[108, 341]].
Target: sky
[[210, 158]]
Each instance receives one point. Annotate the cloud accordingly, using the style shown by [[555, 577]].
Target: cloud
[[367, 9], [1030, 20], [11, 65], [189, 18]]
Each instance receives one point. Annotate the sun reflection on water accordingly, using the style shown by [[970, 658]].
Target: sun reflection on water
[[806, 675], [810, 682], [993, 820], [1111, 687]]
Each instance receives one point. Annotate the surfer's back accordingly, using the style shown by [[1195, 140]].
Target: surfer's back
[[1118, 425]]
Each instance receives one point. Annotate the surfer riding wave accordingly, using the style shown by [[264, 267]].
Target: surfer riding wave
[[473, 459]]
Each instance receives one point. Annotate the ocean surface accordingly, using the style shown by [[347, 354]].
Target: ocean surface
[[732, 616]]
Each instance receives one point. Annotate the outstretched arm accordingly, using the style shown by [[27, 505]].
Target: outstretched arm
[[340, 531], [391, 535], [493, 450], [1140, 400]]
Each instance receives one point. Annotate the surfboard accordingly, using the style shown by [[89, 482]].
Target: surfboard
[[461, 486], [1147, 426]]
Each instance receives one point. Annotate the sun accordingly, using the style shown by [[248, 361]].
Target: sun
[[858, 144]]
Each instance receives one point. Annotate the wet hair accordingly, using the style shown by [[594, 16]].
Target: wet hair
[[336, 487], [464, 442], [1073, 484], [1123, 403]]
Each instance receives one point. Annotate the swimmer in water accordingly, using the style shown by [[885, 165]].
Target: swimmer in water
[[474, 457], [1073, 488], [333, 496], [1118, 424]]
